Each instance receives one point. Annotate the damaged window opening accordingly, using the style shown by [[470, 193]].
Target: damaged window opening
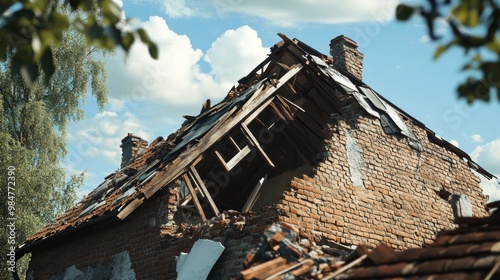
[[240, 151]]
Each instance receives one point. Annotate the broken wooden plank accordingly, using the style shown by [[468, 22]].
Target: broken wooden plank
[[273, 274], [234, 160], [278, 112], [282, 98], [285, 110], [306, 267], [130, 208], [256, 144], [257, 112], [291, 88], [254, 270], [201, 185], [346, 267], [234, 143], [186, 200], [253, 196], [195, 197]]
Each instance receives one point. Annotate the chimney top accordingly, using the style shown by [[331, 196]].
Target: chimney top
[[343, 40], [346, 55], [132, 147]]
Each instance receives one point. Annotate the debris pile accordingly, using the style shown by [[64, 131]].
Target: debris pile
[[281, 254]]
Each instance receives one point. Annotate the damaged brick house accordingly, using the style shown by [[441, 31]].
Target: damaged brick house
[[300, 140]]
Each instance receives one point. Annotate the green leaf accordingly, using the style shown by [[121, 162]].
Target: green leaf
[[467, 66], [74, 4], [498, 92], [477, 57], [143, 35], [473, 89], [115, 34], [127, 41], [441, 49], [48, 65], [111, 11], [494, 46], [404, 12], [3, 51], [490, 69], [468, 12], [95, 31], [153, 50]]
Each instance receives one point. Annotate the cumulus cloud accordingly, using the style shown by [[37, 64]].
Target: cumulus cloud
[[235, 42], [316, 11], [176, 78], [100, 136], [454, 143], [491, 188], [178, 9], [476, 138], [148, 97], [488, 156], [291, 13]]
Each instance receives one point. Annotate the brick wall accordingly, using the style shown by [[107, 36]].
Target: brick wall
[[398, 200], [153, 247], [369, 188]]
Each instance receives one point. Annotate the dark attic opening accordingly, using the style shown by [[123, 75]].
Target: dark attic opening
[[277, 133]]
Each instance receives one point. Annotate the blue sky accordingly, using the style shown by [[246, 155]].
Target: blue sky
[[206, 46]]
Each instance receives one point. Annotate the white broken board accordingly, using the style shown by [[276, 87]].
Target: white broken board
[[199, 262]]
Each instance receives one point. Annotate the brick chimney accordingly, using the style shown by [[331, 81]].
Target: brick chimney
[[132, 146], [346, 56]]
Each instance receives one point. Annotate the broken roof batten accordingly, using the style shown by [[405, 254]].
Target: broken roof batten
[[178, 166]]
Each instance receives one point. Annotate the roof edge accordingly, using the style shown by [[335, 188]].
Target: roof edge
[[29, 246]]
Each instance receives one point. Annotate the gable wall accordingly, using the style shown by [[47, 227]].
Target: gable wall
[[152, 241], [375, 188], [138, 234]]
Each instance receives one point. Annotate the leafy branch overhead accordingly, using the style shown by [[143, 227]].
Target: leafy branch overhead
[[474, 25], [30, 30]]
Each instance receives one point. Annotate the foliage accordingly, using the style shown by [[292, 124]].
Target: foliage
[[33, 29], [33, 122], [475, 25]]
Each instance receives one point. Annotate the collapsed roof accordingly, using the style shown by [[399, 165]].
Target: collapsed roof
[[220, 158], [470, 252]]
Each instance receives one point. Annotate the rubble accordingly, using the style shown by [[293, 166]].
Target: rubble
[[281, 254]]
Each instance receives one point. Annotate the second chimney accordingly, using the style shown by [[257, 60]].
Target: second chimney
[[346, 56], [132, 146]]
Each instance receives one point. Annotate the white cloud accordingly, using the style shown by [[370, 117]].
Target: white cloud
[[294, 12], [178, 9], [176, 78], [147, 97], [491, 188], [230, 68], [488, 156], [289, 13], [100, 137], [477, 138], [454, 143]]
